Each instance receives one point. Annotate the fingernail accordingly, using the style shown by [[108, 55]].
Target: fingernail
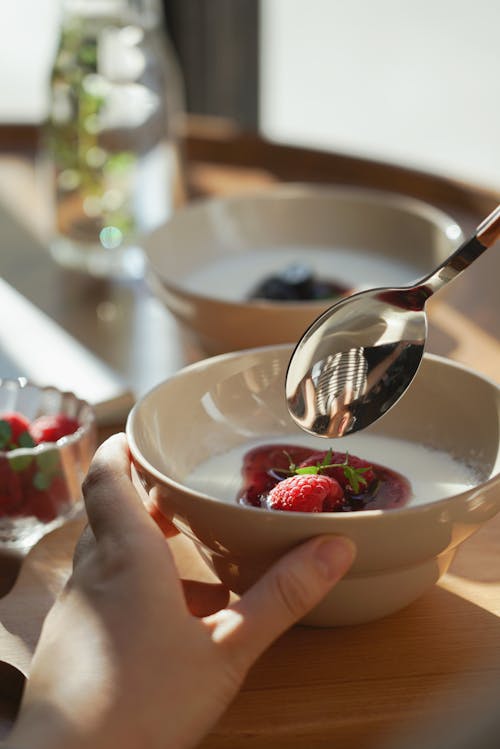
[[334, 556]]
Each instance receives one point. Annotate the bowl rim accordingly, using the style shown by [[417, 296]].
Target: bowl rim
[[68, 439], [139, 458], [289, 191]]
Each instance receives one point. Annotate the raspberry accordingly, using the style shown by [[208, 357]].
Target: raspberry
[[261, 470], [15, 425], [52, 427], [305, 493]]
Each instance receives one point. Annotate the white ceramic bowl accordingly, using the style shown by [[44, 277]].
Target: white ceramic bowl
[[232, 400], [207, 258], [40, 486]]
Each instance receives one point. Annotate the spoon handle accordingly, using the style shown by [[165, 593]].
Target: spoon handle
[[485, 236], [488, 230]]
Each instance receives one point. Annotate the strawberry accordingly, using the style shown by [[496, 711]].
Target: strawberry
[[33, 484], [45, 497], [51, 427], [59, 492], [14, 431], [11, 493], [305, 493], [40, 504]]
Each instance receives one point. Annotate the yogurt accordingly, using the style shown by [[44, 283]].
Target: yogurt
[[233, 278], [433, 474]]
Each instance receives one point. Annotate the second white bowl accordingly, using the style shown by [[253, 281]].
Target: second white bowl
[[208, 257]]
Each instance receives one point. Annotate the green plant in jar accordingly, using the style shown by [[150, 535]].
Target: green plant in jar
[[108, 134]]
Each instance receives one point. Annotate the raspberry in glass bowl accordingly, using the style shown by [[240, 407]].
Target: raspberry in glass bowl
[[47, 439]]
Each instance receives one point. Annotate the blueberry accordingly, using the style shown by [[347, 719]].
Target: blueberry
[[296, 283]]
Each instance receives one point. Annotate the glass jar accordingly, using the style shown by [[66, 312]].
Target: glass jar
[[111, 134]]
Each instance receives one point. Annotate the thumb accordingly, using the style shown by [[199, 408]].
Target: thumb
[[285, 594]]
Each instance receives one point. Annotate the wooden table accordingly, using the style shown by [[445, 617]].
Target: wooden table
[[348, 687]]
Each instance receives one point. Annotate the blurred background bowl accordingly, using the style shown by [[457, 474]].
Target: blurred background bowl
[[40, 487], [236, 400], [206, 260]]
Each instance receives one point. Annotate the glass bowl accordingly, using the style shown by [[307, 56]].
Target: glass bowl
[[40, 485]]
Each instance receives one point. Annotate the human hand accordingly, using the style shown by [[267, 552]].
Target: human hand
[[122, 661]]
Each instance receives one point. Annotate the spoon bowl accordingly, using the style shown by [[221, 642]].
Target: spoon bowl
[[357, 359]]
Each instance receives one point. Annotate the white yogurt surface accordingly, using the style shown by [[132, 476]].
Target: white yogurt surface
[[433, 474], [233, 278]]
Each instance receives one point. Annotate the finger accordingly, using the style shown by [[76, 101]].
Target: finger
[[164, 524], [150, 502], [283, 596], [112, 503], [203, 599], [120, 522], [85, 546]]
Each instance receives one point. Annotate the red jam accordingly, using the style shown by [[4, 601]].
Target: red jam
[[364, 485]]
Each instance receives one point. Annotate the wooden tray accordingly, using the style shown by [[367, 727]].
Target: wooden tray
[[347, 687]]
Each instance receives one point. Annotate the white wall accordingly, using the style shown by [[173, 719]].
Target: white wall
[[413, 82], [28, 34]]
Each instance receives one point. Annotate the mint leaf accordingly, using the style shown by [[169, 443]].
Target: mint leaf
[[326, 460], [41, 481], [5, 434], [307, 469], [20, 462], [48, 462], [26, 440], [354, 476]]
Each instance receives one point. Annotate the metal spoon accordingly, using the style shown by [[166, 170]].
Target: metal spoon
[[357, 359]]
